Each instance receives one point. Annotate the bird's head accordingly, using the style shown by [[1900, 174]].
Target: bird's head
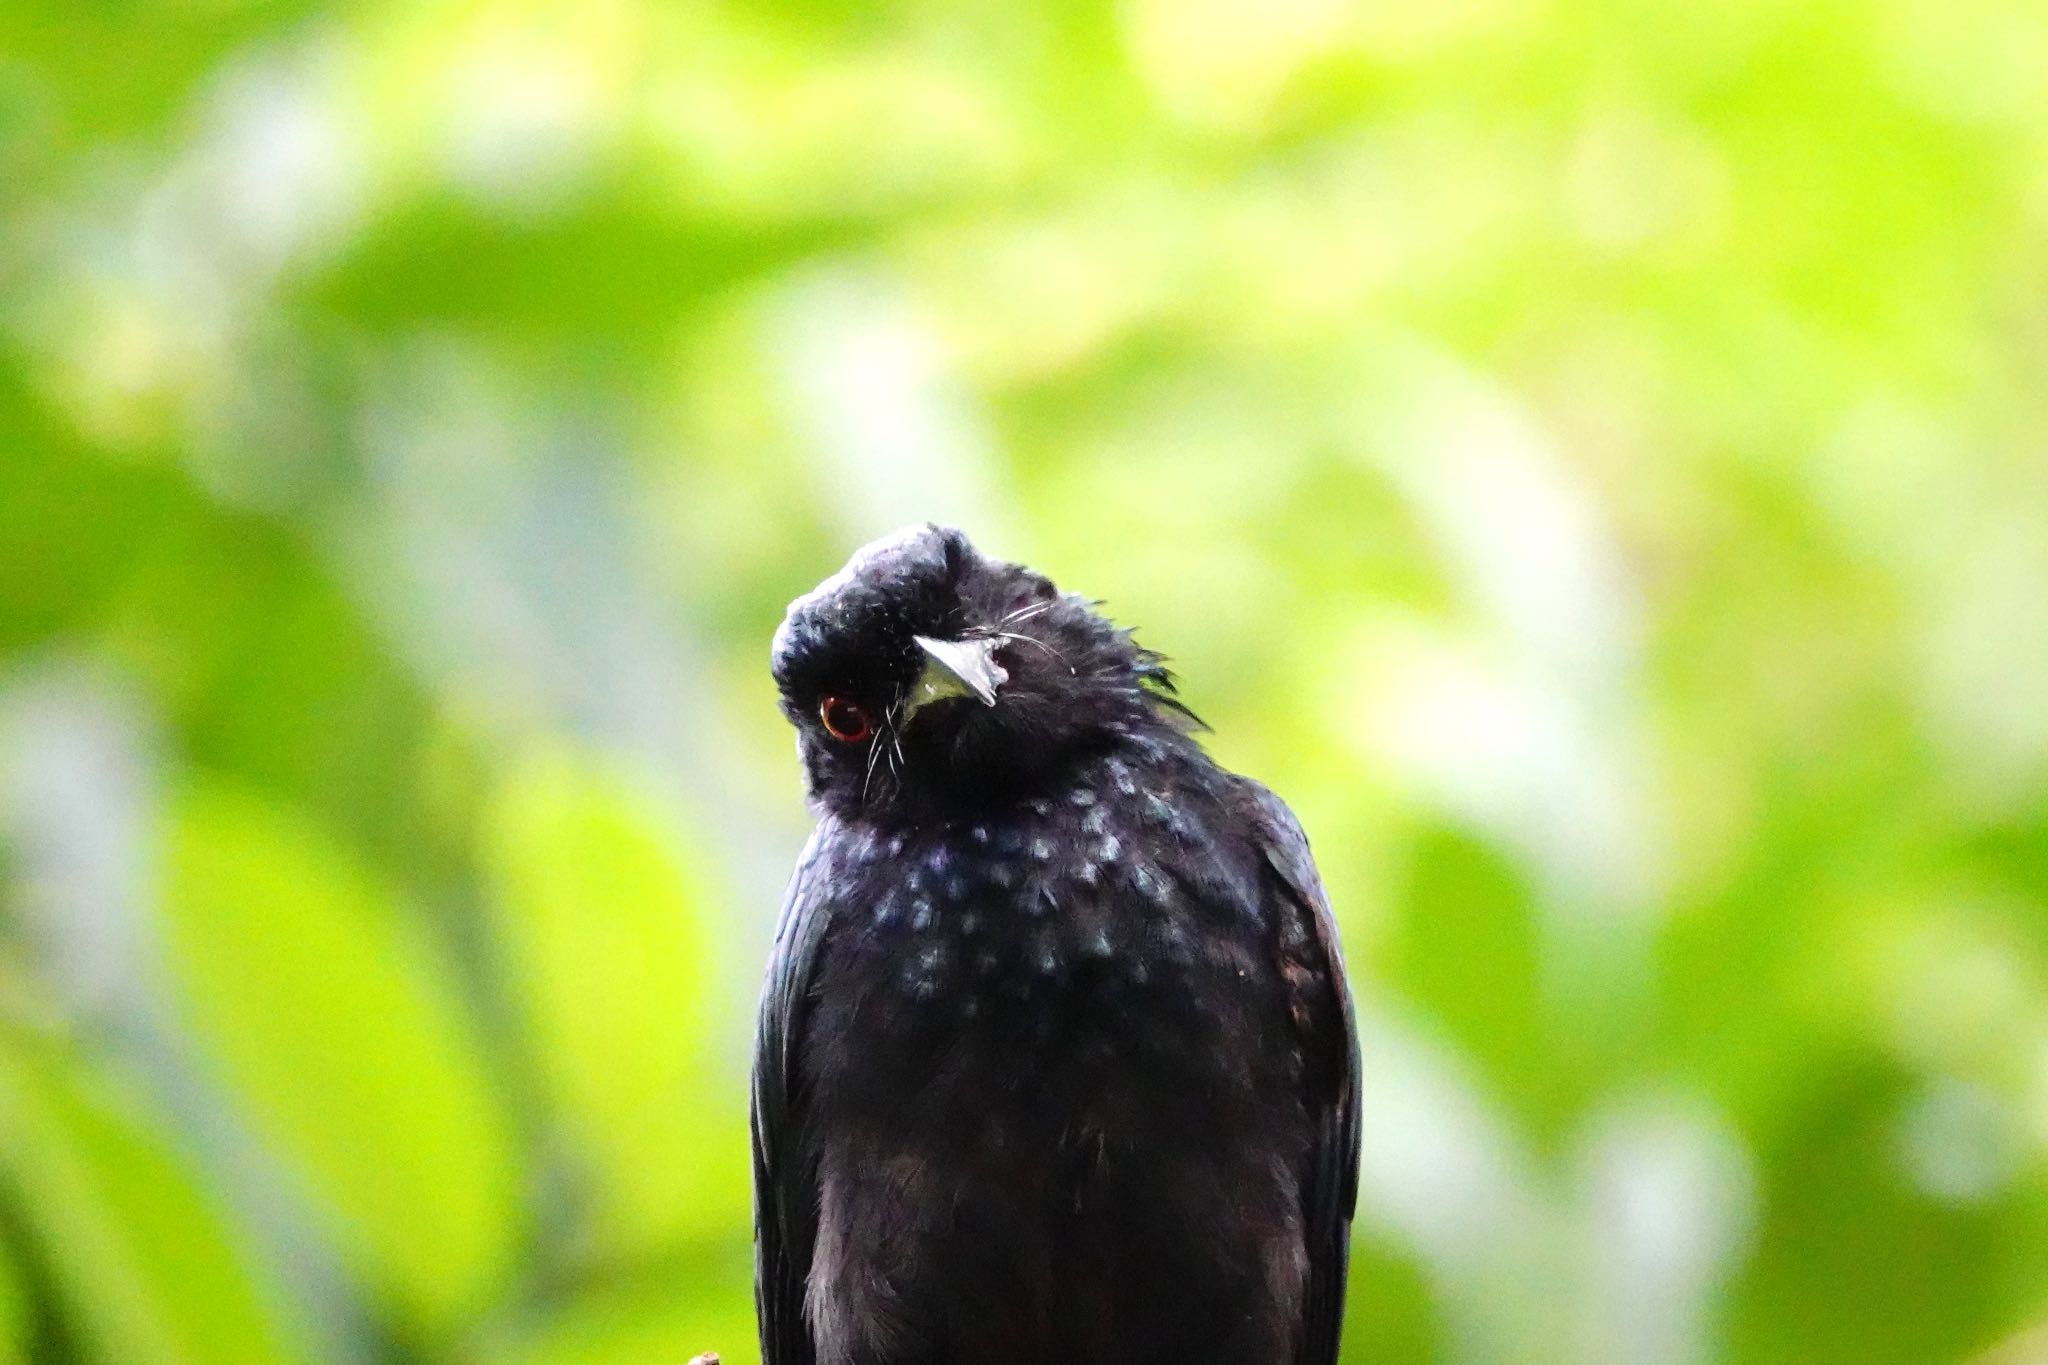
[[926, 676]]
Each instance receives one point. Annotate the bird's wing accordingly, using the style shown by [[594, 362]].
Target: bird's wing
[[785, 1195], [1330, 1188]]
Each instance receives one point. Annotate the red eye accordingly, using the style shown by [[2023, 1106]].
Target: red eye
[[844, 720]]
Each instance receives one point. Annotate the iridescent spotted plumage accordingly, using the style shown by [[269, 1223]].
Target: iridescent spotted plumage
[[1055, 1060]]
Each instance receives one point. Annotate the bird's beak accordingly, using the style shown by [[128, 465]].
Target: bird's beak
[[955, 668]]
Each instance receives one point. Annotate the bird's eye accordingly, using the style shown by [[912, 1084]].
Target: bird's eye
[[846, 721]]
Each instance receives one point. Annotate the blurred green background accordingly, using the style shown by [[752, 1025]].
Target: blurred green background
[[1592, 457]]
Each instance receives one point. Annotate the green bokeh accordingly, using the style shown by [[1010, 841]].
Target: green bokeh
[[1588, 456]]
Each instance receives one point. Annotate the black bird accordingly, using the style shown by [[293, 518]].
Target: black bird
[[1056, 1060]]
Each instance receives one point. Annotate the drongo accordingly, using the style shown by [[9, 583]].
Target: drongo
[[1056, 1060]]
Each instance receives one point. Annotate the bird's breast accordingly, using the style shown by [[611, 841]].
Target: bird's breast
[[1097, 945]]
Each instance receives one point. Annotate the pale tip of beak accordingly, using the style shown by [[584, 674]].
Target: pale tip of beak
[[958, 668]]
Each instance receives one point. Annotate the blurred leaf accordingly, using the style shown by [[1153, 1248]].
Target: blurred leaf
[[1856, 1263], [700, 1303], [561, 279], [146, 1265], [78, 524], [606, 922], [14, 1320], [1391, 1303], [348, 1042], [1476, 972]]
